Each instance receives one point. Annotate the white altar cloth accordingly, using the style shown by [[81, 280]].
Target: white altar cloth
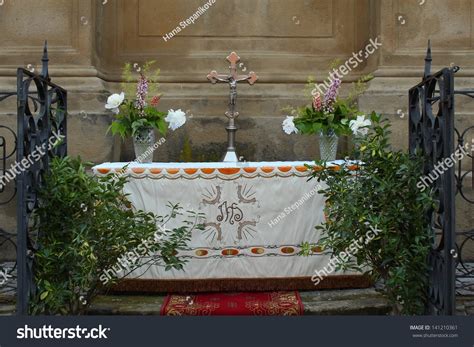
[[257, 216]]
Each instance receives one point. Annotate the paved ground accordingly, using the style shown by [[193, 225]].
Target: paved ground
[[7, 290], [330, 302], [7, 304], [325, 302], [465, 305]]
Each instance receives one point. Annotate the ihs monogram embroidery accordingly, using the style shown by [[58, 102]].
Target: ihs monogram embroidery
[[230, 214]]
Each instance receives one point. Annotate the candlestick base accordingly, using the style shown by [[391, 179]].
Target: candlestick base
[[230, 156]]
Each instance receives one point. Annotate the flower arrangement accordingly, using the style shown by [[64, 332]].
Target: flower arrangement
[[141, 112], [328, 113]]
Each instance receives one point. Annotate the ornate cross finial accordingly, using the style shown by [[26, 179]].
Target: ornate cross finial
[[233, 78]]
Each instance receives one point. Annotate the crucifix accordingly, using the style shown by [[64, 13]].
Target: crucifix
[[233, 78]]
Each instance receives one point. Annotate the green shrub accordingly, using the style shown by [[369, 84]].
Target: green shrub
[[381, 194], [85, 223]]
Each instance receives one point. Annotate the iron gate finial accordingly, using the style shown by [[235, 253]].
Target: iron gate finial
[[428, 61], [45, 60]]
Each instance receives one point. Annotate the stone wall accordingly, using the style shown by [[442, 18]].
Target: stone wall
[[282, 41]]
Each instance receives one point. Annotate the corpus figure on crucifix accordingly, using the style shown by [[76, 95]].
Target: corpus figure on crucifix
[[232, 79]]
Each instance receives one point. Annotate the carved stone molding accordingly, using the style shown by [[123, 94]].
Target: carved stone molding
[[301, 37], [66, 24]]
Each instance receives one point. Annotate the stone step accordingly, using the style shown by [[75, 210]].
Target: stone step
[[345, 302], [7, 309], [7, 298], [330, 302], [465, 305], [132, 305], [327, 302]]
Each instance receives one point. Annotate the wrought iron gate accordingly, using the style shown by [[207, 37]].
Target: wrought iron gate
[[465, 266], [41, 135], [431, 133], [7, 239]]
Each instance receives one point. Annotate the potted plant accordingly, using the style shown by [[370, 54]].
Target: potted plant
[[138, 117], [328, 116], [87, 225], [379, 193]]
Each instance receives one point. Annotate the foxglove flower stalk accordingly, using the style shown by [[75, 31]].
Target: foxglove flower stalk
[[317, 104], [142, 91], [331, 95]]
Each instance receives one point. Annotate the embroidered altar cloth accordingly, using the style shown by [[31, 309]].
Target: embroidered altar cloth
[[257, 215]]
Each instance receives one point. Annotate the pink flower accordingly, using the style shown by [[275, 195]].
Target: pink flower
[[331, 94], [155, 100], [142, 91], [317, 102]]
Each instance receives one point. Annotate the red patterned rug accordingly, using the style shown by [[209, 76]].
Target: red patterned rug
[[234, 304]]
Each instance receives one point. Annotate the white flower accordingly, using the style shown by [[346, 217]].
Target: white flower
[[360, 125], [175, 119], [289, 126], [114, 101]]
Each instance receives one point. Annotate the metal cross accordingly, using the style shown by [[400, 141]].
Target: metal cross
[[231, 114]]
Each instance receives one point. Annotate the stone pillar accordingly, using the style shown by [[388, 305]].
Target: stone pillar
[[405, 28], [69, 27]]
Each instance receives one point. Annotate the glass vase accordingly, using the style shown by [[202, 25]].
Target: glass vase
[[143, 142], [328, 145]]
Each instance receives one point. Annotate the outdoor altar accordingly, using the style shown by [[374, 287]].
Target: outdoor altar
[[257, 215]]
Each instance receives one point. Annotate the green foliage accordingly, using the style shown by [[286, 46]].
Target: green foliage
[[85, 223], [130, 120], [358, 88], [310, 121], [130, 77], [381, 194]]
